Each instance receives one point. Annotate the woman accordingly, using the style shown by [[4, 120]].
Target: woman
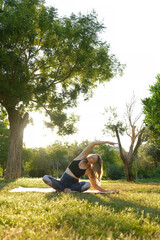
[[83, 164]]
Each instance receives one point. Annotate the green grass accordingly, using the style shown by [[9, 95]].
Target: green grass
[[134, 213]]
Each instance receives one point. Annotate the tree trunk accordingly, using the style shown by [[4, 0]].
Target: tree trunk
[[17, 125], [127, 167], [128, 172], [3, 171], [129, 158]]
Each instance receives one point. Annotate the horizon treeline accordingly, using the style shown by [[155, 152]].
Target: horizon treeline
[[54, 159]]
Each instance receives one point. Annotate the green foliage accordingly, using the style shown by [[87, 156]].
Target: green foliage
[[132, 214], [116, 172], [75, 148], [52, 160], [57, 158], [39, 172], [148, 162], [37, 162], [47, 61], [156, 173], [152, 110]]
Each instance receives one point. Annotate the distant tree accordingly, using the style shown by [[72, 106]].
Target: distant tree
[[39, 163], [51, 160], [130, 127], [45, 63], [152, 111], [151, 148], [4, 139], [27, 159], [153, 152], [57, 158], [148, 162]]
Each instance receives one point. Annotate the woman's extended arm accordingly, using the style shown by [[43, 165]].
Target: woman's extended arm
[[97, 187], [86, 151]]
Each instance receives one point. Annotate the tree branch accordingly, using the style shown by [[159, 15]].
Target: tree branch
[[137, 118], [60, 64], [25, 120], [120, 145], [138, 142], [36, 69], [68, 75]]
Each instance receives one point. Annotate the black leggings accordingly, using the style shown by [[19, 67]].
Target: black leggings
[[66, 181]]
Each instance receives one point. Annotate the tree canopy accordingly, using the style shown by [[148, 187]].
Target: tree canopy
[[152, 110], [46, 61]]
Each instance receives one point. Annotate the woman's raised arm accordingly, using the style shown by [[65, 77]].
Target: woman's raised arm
[[86, 151]]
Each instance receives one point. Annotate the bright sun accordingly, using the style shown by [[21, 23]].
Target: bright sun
[[36, 134]]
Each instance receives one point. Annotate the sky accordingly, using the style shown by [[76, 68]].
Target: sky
[[132, 30]]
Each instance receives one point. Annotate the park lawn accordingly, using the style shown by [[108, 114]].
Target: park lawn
[[134, 213]]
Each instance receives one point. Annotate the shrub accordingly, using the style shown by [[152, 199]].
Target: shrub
[[156, 173], [115, 172], [149, 173], [37, 172]]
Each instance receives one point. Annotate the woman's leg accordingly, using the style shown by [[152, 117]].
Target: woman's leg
[[52, 182], [80, 187], [66, 182]]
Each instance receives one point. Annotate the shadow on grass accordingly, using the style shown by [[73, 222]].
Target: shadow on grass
[[119, 204], [112, 202], [4, 183]]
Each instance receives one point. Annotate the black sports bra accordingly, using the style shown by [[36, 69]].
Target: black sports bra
[[74, 168]]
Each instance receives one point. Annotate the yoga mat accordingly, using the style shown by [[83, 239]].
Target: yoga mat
[[44, 190], [25, 189]]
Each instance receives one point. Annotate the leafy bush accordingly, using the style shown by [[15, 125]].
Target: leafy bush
[[156, 173], [144, 173], [37, 172], [116, 172], [149, 173]]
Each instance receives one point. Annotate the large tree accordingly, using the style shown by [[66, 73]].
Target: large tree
[[46, 62], [131, 128], [152, 111]]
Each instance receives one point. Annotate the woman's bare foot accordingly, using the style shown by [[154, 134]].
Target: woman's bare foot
[[68, 190]]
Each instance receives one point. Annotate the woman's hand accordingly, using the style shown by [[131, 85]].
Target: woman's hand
[[112, 191], [97, 187], [103, 142]]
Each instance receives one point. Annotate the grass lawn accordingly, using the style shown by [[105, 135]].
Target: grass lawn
[[134, 213]]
